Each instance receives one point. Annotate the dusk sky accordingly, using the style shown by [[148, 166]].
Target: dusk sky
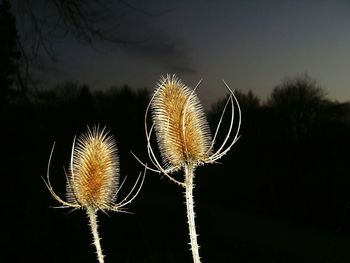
[[252, 45]]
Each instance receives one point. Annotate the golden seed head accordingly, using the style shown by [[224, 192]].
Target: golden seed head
[[94, 171], [181, 127]]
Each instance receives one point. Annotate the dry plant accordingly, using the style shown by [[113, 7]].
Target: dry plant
[[184, 138], [93, 179]]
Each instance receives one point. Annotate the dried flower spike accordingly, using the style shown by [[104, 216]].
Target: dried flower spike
[[93, 179], [184, 138], [182, 130]]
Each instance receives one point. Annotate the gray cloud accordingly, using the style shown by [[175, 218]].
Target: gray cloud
[[138, 29], [151, 40], [162, 49]]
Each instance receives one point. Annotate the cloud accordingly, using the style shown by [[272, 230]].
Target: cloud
[[139, 30], [164, 50], [150, 39]]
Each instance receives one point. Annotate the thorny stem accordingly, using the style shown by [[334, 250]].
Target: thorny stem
[[94, 225], [189, 175]]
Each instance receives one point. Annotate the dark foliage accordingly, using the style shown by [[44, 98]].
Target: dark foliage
[[9, 53], [280, 195]]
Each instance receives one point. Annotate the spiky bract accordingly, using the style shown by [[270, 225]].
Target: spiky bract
[[182, 130], [94, 170]]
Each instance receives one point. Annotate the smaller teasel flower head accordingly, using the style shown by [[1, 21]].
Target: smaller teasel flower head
[[93, 178], [94, 170], [181, 128]]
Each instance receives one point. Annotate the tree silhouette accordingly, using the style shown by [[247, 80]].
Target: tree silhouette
[[9, 53], [296, 103]]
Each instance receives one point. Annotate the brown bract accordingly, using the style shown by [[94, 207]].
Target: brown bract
[[182, 130]]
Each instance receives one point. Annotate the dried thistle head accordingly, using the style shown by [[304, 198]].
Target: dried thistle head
[[94, 170], [93, 178], [182, 130]]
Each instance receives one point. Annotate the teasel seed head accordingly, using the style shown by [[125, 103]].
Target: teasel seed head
[[184, 139], [94, 170], [181, 127], [93, 177], [182, 131]]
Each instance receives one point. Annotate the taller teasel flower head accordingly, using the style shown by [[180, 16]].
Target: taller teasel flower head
[[184, 138], [182, 130]]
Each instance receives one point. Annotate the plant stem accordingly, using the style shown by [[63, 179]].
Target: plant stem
[[94, 226], [189, 175]]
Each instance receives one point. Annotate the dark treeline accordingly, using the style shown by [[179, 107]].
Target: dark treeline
[[292, 154], [280, 195]]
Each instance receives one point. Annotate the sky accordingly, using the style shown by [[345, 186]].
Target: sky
[[252, 45]]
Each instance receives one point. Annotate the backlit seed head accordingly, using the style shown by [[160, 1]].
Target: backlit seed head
[[182, 130], [94, 171]]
